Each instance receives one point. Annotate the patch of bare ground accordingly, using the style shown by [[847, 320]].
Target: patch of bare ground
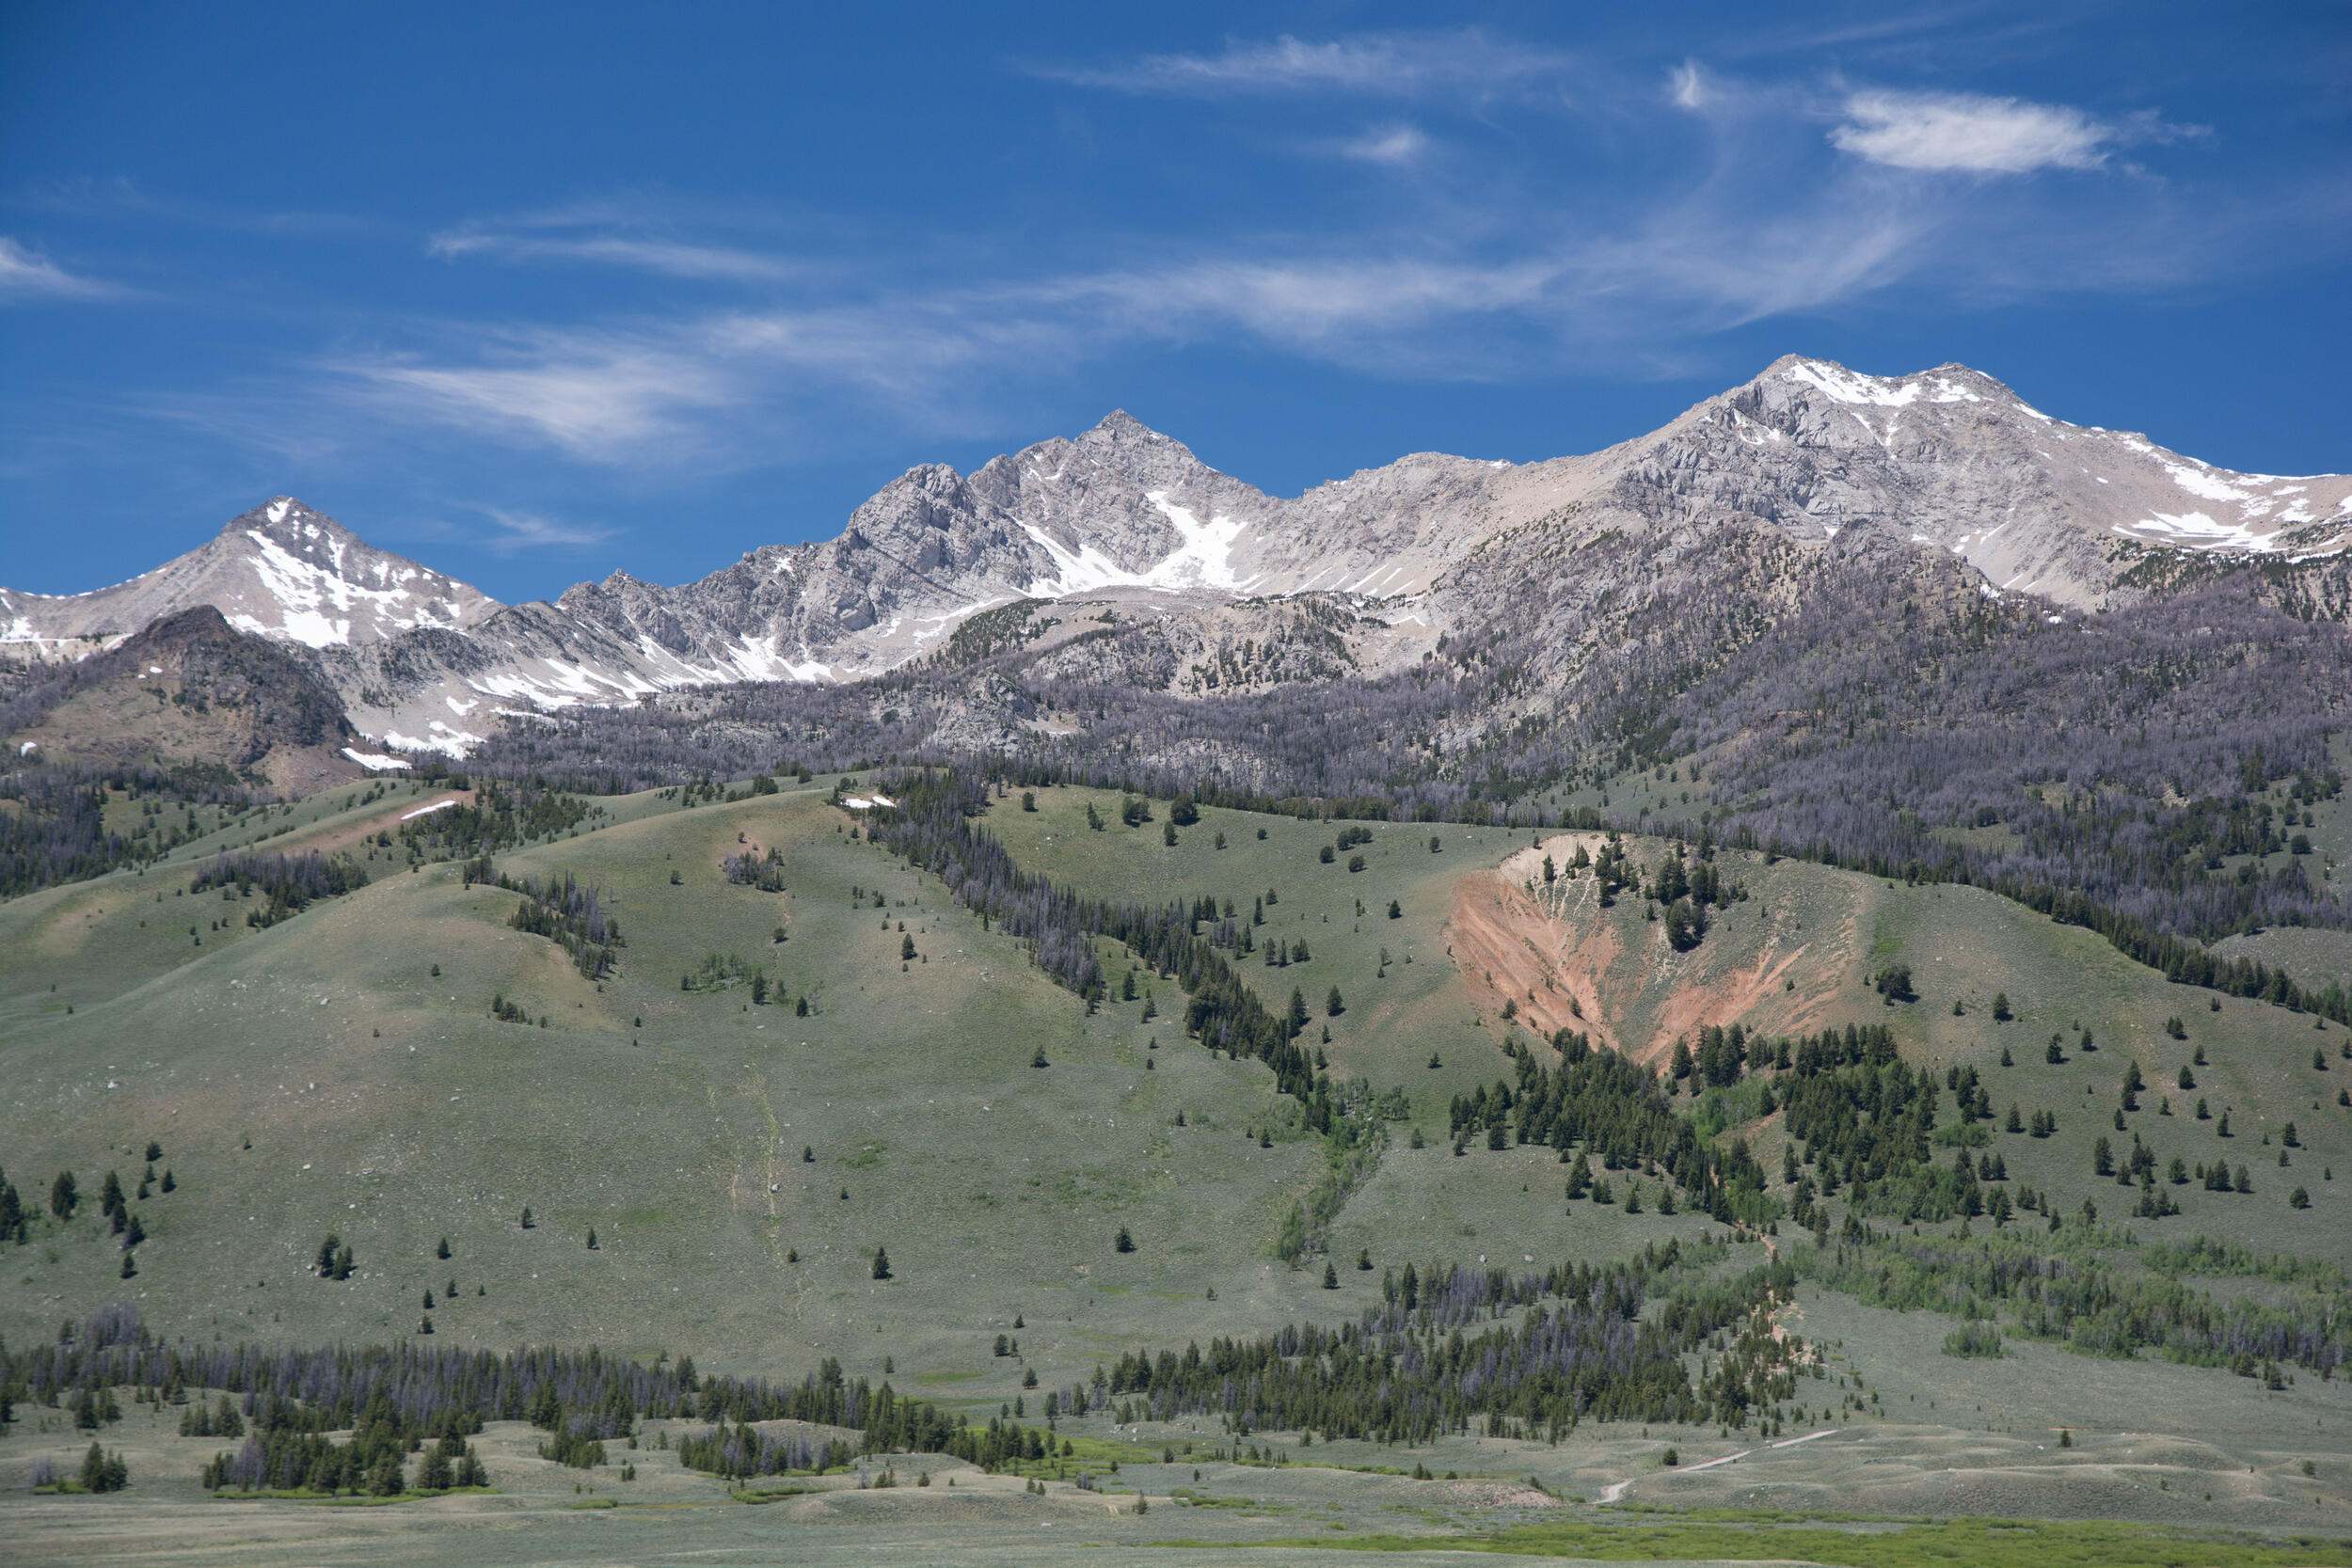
[[1510, 952], [1556, 959], [1497, 1494]]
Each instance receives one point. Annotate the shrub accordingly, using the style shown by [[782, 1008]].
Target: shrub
[[1974, 1339]]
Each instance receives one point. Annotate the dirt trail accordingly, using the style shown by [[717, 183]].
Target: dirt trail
[[1616, 1490]]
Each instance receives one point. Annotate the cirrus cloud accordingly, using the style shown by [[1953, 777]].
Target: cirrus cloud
[[668, 257], [1464, 62], [1970, 134], [514, 531], [28, 274], [1395, 146]]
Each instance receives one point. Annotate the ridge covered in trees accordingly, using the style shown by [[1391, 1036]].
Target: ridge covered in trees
[[290, 883]]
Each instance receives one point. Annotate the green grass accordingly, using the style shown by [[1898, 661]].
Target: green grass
[[1392, 1024], [379, 1101], [84, 943], [346, 1499], [1927, 1544]]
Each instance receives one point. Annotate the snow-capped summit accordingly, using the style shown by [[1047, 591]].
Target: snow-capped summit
[[1947, 461], [1953, 458], [281, 571]]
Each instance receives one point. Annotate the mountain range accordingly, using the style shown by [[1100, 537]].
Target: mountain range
[[1360, 574]]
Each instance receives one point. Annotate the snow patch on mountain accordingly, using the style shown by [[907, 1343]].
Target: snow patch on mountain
[[446, 738], [932, 628], [2207, 486], [306, 591], [2197, 530], [1076, 571], [1844, 385], [1204, 557]]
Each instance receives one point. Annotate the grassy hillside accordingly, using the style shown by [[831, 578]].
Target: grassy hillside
[[740, 1162], [1397, 1014], [85, 943], [1798, 954], [1802, 952], [381, 1100]]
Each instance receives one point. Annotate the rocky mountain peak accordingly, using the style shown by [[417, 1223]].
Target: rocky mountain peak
[[1799, 376], [1121, 425], [1121, 434], [281, 570], [285, 517]]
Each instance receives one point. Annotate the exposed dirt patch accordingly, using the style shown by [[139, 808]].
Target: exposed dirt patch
[[1497, 1494], [1777, 960], [1741, 992], [1510, 951]]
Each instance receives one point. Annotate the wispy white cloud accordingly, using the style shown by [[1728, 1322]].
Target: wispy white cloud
[[1686, 87], [1964, 133], [1316, 301], [1638, 291], [514, 531], [715, 389], [124, 200], [668, 257], [1395, 146], [1468, 62], [26, 273], [596, 395]]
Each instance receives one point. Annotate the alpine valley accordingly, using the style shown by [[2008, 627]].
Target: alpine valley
[[1777, 992]]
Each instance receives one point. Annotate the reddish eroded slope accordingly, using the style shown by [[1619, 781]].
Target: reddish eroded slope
[[1775, 961]]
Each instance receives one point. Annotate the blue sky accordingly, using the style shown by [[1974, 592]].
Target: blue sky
[[534, 291]]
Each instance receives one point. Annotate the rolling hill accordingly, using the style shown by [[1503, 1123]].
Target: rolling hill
[[411, 1066]]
